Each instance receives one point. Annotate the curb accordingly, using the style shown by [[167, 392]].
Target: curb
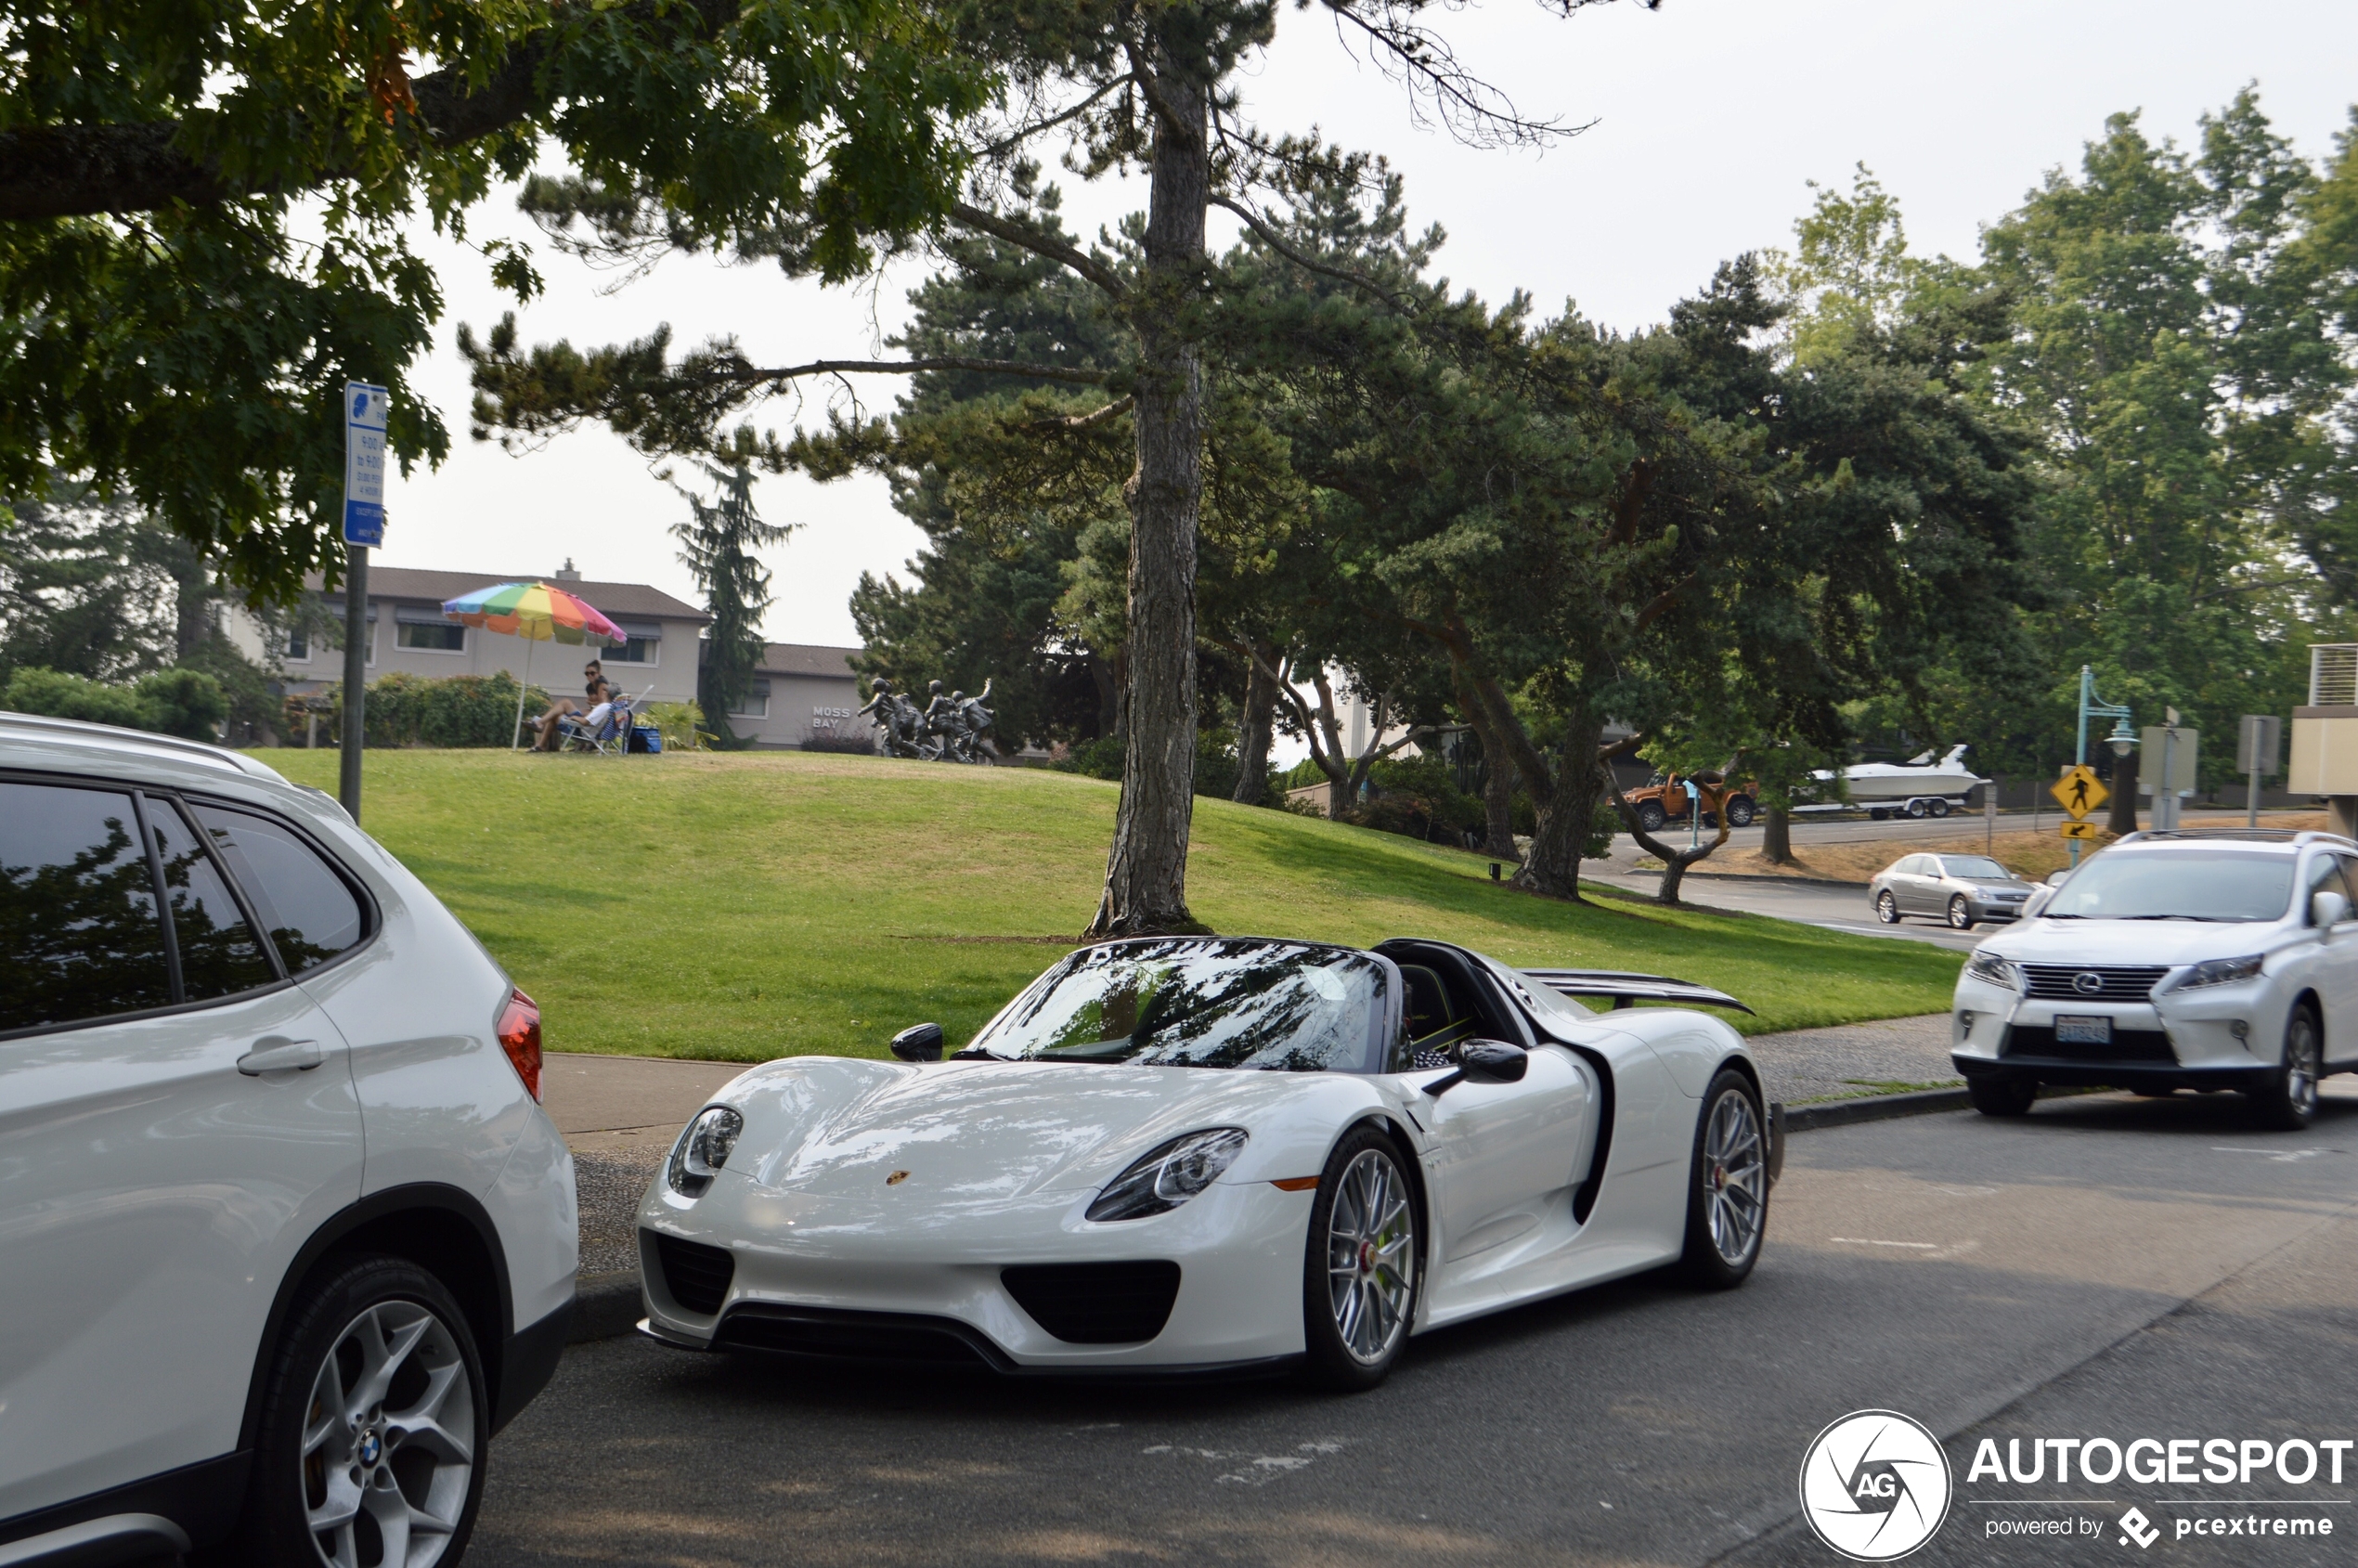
[[1887, 1108], [605, 1306], [1874, 1108]]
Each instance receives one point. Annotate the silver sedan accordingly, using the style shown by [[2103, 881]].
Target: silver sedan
[[1961, 889]]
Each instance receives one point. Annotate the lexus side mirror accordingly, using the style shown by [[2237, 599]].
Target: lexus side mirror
[[922, 1043], [2327, 909], [1484, 1061]]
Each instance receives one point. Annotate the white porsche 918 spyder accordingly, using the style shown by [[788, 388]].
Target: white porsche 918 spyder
[[1208, 1153]]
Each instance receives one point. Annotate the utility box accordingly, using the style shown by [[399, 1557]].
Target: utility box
[[2325, 733]]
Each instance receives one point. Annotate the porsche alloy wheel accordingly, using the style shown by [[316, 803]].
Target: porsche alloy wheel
[[1728, 1197], [1363, 1266]]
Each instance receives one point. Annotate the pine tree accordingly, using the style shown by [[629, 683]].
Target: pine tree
[[719, 544]]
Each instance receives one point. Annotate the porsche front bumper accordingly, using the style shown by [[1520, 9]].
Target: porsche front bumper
[[831, 1276]]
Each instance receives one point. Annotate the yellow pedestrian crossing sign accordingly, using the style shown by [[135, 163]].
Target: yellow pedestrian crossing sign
[[2080, 793], [2080, 830]]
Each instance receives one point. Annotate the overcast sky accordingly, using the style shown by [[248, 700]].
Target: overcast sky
[[1709, 116]]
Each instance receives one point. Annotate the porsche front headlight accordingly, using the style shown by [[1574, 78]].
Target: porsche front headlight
[[1996, 970], [702, 1149], [1169, 1175], [2222, 971]]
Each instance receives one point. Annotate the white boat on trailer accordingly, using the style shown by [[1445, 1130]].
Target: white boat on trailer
[[1918, 787]]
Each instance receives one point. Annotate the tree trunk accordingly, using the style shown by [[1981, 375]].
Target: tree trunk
[[2124, 795], [1498, 778], [1252, 737], [1554, 865], [1776, 838], [1146, 872], [1107, 677], [1674, 861]]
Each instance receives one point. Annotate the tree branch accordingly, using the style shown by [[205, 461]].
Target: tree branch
[[753, 375], [1089, 421], [87, 170], [1263, 232], [1023, 236], [1014, 140]]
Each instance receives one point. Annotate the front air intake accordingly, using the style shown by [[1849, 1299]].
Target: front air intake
[[697, 1276], [1096, 1304]]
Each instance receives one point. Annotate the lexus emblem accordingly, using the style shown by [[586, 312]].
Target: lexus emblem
[[2087, 982]]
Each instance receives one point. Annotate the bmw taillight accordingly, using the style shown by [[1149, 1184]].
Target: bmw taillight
[[520, 1037]]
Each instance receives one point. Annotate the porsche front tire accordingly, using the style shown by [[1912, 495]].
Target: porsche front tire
[[1727, 1185], [1363, 1266]]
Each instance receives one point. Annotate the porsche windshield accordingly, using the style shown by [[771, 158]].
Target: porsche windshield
[[1272, 1005], [2178, 885]]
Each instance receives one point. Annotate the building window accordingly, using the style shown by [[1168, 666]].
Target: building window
[[641, 646], [755, 704], [440, 637], [298, 645]]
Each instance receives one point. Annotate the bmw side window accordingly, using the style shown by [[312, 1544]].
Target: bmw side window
[[80, 937], [220, 954], [307, 910]]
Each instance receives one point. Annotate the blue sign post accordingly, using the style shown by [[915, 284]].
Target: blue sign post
[[364, 528], [364, 464]]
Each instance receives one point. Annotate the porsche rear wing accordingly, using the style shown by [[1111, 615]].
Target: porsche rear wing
[[1626, 990]]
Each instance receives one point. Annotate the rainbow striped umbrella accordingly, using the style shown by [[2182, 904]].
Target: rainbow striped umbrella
[[536, 612]]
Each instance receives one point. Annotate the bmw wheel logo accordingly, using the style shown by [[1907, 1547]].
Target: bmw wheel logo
[[2087, 982], [1875, 1485]]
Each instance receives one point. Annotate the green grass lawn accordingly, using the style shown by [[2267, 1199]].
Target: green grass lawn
[[755, 905]]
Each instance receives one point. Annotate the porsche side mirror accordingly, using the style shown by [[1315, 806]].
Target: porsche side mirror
[[922, 1043], [1484, 1061]]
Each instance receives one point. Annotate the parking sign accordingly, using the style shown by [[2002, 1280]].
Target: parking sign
[[364, 464]]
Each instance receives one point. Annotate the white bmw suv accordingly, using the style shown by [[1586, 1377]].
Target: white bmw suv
[[285, 1235], [2174, 961]]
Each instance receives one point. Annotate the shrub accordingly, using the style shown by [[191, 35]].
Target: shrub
[[187, 703], [404, 709], [849, 743], [1216, 761], [59, 695], [681, 725]]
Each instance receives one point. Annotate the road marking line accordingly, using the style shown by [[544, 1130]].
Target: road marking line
[[2282, 1156], [1862, 1241]]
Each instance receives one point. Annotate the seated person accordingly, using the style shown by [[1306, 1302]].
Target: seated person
[[609, 698], [592, 684], [1434, 1029]]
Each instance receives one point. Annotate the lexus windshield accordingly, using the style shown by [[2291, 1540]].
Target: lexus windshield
[[2178, 885], [1200, 1002]]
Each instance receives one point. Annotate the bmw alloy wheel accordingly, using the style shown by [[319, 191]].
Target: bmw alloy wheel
[[1371, 1239], [1737, 1173], [388, 1441]]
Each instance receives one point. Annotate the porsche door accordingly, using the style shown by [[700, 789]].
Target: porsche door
[[1501, 1152]]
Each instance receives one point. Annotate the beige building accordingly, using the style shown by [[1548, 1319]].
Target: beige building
[[407, 632], [801, 693]]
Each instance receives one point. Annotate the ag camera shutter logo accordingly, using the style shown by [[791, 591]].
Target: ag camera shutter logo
[[1875, 1485]]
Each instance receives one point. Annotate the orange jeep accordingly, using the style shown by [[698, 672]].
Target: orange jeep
[[1662, 799]]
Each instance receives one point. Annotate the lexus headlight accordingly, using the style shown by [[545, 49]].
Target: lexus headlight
[[1167, 1176], [2222, 971], [702, 1149], [1996, 970]]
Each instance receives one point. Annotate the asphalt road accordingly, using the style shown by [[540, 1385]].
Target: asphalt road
[[1834, 905], [2109, 1266]]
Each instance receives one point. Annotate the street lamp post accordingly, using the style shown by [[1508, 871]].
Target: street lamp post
[[2091, 707]]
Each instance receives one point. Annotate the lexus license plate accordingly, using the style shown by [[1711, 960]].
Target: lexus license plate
[[2083, 1028]]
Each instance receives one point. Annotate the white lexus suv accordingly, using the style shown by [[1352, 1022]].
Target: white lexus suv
[[2174, 961], [285, 1235]]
